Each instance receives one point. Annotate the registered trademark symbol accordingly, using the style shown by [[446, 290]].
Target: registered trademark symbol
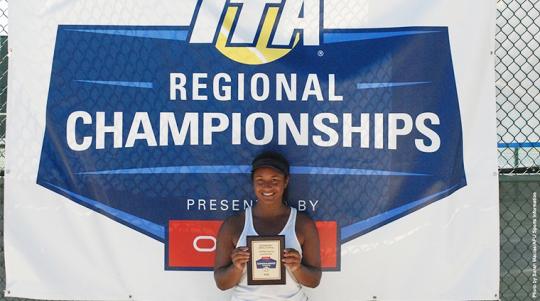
[[320, 53]]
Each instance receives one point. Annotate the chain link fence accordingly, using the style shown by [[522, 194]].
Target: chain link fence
[[518, 116], [517, 82]]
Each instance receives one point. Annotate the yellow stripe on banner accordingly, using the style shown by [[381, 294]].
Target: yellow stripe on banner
[[259, 54]]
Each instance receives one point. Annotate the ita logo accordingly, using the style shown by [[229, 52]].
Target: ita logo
[[256, 32]]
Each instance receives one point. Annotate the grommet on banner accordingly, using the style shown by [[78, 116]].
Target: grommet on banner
[[130, 297]]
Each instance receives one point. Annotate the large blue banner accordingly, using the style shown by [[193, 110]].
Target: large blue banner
[[145, 126]]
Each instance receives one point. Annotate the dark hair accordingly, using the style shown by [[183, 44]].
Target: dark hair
[[273, 160]]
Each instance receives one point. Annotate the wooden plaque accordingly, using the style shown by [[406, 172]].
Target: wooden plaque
[[265, 266]]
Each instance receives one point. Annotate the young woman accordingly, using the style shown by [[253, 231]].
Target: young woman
[[270, 216]]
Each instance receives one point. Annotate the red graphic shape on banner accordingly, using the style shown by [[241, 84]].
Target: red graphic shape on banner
[[192, 243], [328, 239]]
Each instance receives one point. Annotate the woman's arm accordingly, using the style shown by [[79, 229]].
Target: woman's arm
[[230, 261], [307, 268]]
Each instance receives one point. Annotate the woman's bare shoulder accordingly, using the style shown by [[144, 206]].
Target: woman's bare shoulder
[[234, 224], [304, 220], [306, 232], [305, 226]]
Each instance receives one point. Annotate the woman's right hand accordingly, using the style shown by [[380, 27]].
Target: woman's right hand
[[239, 257]]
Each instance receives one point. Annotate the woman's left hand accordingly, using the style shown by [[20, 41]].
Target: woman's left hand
[[292, 259]]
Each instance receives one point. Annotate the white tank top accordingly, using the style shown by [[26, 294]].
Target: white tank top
[[292, 290]]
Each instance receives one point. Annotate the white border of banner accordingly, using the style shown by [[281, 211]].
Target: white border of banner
[[56, 249]]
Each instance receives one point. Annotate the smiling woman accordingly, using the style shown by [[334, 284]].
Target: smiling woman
[[270, 216]]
